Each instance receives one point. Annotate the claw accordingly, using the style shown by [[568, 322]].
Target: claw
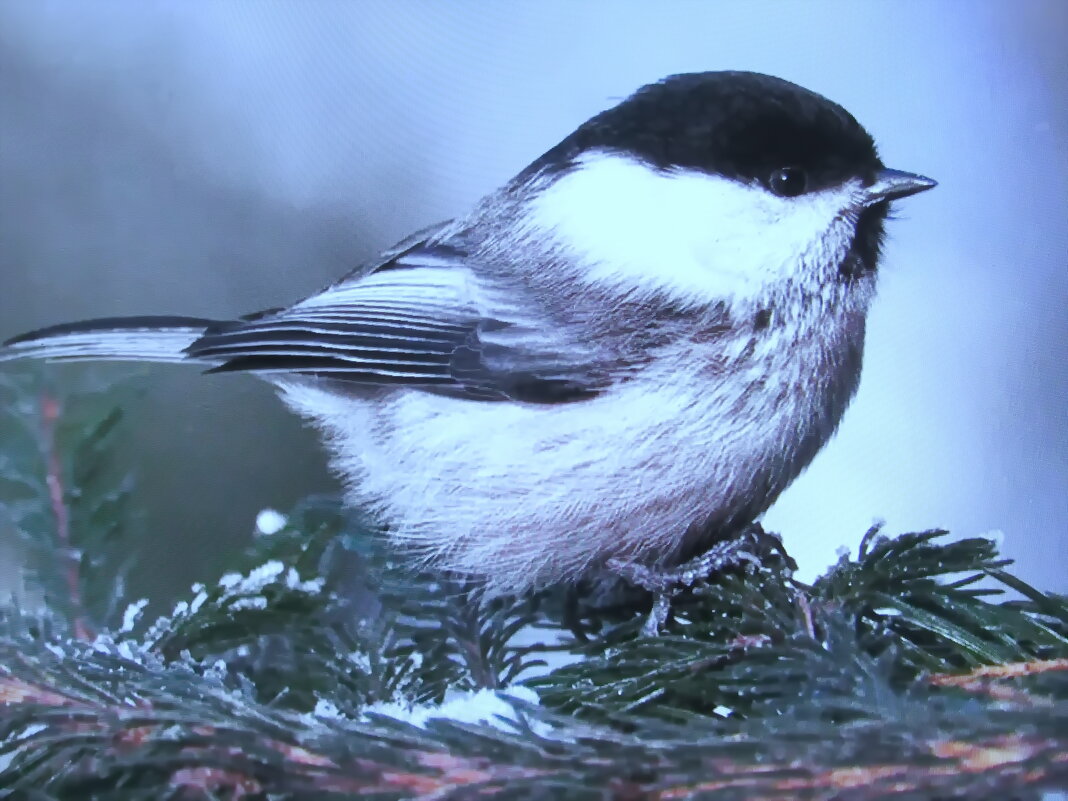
[[665, 584]]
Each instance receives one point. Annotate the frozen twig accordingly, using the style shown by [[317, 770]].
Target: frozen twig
[[50, 413]]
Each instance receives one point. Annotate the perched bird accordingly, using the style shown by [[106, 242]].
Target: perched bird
[[639, 340]]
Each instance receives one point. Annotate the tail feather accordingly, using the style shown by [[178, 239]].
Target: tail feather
[[150, 339]]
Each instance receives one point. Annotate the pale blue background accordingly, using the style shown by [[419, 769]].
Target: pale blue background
[[215, 158]]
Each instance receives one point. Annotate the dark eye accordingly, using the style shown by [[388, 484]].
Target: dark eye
[[788, 181]]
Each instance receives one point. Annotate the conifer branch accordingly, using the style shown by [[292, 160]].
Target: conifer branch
[[322, 669], [50, 412]]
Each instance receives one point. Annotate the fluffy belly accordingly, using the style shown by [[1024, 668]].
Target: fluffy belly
[[526, 494]]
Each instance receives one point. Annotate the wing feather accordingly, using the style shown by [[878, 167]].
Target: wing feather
[[416, 320]]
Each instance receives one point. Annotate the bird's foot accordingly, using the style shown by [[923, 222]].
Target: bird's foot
[[666, 583]]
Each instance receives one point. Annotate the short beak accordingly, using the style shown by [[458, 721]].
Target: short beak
[[894, 185]]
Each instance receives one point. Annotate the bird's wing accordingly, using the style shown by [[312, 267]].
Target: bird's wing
[[422, 318]]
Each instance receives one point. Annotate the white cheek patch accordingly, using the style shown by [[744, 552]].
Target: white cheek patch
[[695, 236]]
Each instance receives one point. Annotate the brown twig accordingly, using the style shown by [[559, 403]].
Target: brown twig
[[1002, 764], [1010, 670], [986, 679], [991, 766], [50, 413]]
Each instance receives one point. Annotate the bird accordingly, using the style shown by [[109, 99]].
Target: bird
[[632, 346]]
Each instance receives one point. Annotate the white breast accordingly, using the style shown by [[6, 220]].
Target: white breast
[[521, 494]]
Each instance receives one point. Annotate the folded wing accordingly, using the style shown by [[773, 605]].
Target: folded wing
[[423, 319]]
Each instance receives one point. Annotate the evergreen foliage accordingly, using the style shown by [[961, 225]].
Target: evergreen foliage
[[321, 668]]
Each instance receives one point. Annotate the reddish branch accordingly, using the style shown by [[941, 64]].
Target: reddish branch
[[991, 680], [947, 765], [1009, 670], [50, 412]]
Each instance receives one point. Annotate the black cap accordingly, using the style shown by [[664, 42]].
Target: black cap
[[742, 125]]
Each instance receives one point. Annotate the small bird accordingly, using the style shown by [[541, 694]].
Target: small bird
[[635, 344]]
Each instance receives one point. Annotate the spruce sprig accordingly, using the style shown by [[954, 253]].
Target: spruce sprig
[[900, 672]]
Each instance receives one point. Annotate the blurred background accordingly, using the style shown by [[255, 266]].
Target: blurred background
[[216, 158]]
